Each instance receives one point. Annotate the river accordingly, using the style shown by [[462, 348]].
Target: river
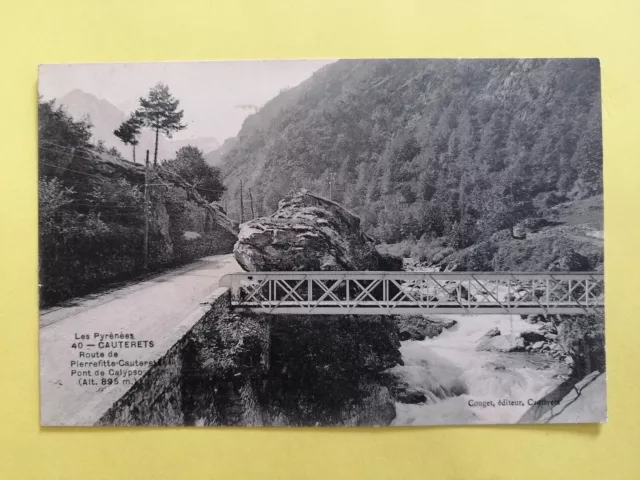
[[465, 386]]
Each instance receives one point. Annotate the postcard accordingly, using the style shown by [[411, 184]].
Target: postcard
[[362, 242]]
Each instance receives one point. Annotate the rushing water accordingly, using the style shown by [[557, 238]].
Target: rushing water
[[463, 385]]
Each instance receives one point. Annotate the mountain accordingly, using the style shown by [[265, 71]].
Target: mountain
[[457, 148], [215, 156], [105, 118]]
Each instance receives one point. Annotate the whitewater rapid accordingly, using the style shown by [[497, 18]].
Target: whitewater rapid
[[465, 386]]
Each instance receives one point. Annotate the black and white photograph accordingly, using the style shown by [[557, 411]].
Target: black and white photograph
[[356, 242]]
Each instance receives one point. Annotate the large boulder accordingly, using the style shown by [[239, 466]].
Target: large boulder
[[532, 336], [570, 262], [494, 332], [501, 344], [309, 233]]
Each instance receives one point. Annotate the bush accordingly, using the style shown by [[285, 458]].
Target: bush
[[582, 338]]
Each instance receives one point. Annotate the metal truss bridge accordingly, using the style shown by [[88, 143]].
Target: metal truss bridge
[[398, 293]]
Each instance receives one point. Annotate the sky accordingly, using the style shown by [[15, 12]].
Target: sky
[[213, 95]]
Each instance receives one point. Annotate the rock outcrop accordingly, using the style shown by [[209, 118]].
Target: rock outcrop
[[419, 327], [532, 337], [105, 222], [324, 370], [309, 233], [501, 343], [577, 340], [570, 262]]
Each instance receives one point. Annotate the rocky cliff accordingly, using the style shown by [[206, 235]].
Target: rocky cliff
[[328, 370], [92, 216]]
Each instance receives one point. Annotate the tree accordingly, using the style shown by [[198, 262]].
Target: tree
[[129, 130], [160, 113], [191, 169], [52, 197], [61, 138], [462, 234]]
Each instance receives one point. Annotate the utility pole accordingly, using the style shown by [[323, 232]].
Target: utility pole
[[155, 152], [253, 215], [146, 212], [241, 205]]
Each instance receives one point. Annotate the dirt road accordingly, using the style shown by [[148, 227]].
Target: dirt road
[[146, 314]]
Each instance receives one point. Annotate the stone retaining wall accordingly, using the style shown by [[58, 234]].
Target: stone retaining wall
[[157, 397]]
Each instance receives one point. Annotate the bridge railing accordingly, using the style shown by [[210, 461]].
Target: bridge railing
[[369, 293]]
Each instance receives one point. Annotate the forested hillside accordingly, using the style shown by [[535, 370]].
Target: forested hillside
[[441, 148]]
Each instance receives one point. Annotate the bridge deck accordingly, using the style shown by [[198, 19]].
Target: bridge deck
[[367, 293]]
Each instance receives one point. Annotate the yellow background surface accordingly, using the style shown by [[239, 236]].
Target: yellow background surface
[[33, 32]]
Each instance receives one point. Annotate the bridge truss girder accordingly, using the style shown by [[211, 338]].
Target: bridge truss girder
[[398, 293]]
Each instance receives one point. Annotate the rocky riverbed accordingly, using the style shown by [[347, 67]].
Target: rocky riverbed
[[460, 369], [475, 371]]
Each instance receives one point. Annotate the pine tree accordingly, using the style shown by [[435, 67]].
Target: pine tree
[[192, 171], [161, 114], [129, 130]]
